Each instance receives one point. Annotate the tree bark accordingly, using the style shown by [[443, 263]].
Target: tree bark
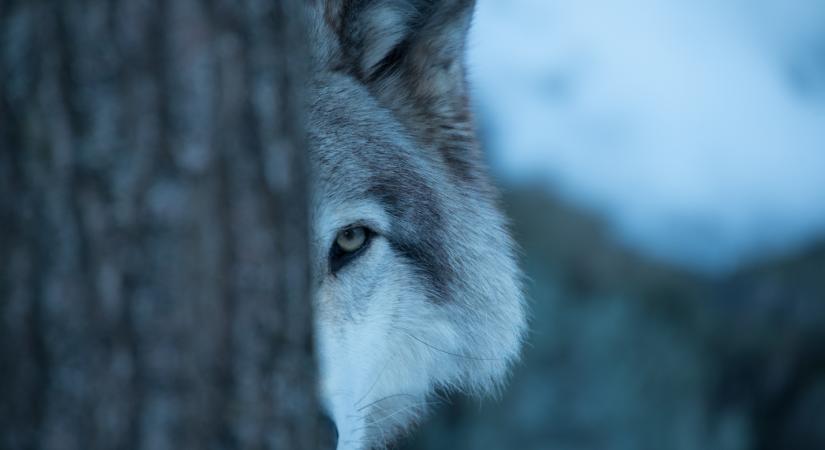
[[153, 226]]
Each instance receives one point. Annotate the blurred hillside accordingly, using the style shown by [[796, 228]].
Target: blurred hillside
[[628, 353]]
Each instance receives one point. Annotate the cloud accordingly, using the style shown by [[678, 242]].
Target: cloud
[[684, 124]]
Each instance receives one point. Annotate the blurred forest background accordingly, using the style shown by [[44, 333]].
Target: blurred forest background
[[664, 168]]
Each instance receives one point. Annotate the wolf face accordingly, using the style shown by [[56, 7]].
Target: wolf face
[[416, 284]]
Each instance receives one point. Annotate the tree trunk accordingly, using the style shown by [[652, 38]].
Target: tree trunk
[[153, 226]]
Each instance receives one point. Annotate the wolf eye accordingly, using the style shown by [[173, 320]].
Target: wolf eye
[[351, 239], [348, 245]]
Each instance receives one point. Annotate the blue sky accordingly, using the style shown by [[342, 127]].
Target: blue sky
[[696, 129]]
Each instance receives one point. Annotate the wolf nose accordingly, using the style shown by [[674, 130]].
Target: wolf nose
[[327, 432]]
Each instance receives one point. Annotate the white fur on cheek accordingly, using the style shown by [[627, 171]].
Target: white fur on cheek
[[377, 369], [384, 345]]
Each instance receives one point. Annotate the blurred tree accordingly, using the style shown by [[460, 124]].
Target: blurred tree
[[153, 246]]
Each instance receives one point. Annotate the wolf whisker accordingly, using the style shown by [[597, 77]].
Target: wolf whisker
[[396, 412], [457, 355], [374, 383]]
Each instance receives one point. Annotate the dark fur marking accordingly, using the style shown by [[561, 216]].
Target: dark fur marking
[[391, 62], [410, 201]]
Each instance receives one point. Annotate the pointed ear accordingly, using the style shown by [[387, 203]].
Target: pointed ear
[[381, 38], [410, 54]]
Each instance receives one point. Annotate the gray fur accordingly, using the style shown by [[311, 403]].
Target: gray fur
[[435, 301]]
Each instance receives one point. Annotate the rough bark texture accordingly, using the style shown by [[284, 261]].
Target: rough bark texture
[[153, 235]]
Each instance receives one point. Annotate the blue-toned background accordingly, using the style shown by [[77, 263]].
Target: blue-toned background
[[664, 167]]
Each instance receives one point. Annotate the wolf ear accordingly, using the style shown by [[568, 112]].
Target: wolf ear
[[381, 38], [410, 55]]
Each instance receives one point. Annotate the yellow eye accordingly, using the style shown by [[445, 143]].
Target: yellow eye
[[351, 239]]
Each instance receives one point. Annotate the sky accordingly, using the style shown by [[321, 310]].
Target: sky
[[695, 129]]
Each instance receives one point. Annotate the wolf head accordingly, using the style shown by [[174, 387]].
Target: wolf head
[[416, 284]]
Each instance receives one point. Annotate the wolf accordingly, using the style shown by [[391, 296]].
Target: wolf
[[416, 285]]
